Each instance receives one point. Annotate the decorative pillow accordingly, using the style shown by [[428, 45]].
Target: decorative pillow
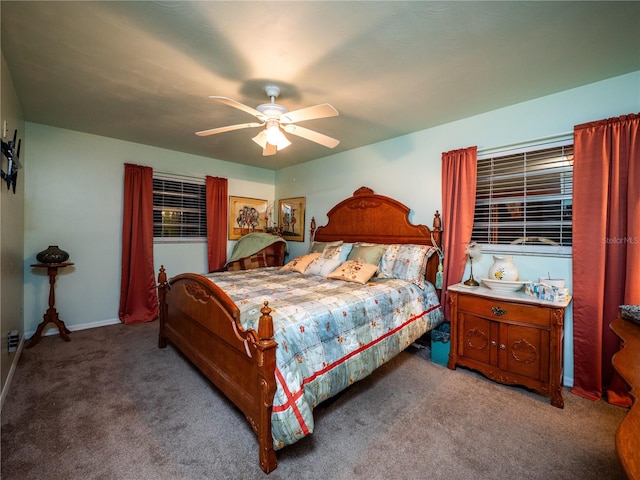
[[318, 247], [354, 271], [322, 266], [340, 252], [406, 262], [367, 253], [300, 264]]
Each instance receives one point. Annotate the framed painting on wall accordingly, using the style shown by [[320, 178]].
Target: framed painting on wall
[[291, 218], [246, 215]]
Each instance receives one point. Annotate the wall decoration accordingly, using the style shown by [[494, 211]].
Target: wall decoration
[[13, 162], [291, 218], [246, 215]]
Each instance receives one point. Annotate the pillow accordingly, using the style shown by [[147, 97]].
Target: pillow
[[340, 252], [318, 247], [406, 262], [300, 264], [354, 271], [322, 266], [367, 253]]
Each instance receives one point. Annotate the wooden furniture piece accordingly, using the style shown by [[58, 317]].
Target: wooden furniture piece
[[511, 338], [271, 256], [627, 364], [202, 321], [51, 315]]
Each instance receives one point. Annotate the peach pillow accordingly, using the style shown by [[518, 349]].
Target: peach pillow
[[354, 271], [300, 264]]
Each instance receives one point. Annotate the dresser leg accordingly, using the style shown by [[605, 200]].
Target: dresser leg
[[556, 398]]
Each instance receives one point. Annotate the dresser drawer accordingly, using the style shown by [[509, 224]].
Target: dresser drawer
[[503, 310]]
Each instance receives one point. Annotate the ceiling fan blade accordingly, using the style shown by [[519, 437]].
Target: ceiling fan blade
[[239, 106], [228, 128], [309, 113], [311, 135]]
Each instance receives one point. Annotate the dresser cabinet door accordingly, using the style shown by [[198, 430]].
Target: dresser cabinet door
[[524, 351], [477, 339]]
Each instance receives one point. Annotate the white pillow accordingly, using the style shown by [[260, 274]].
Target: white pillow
[[322, 266]]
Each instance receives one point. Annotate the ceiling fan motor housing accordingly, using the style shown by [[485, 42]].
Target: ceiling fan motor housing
[[272, 111]]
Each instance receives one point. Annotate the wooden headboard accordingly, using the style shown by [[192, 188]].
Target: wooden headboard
[[368, 217]]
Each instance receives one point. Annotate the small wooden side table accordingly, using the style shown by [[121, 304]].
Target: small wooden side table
[[51, 315]]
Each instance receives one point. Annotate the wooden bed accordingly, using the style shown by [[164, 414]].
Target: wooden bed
[[202, 321]]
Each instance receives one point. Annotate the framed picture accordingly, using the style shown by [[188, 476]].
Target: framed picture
[[246, 215], [291, 218]]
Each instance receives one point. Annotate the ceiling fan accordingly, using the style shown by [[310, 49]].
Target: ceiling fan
[[276, 118]]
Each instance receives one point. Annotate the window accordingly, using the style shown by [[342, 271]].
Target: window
[[179, 209], [524, 200]]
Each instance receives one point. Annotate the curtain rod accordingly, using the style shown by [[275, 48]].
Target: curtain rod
[[537, 141]]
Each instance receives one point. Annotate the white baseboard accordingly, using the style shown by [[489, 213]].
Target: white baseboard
[[14, 363], [73, 328], [568, 382]]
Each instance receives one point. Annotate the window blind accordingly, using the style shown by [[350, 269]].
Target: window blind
[[179, 209], [524, 200]]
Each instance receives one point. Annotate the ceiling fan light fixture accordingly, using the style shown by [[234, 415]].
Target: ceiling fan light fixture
[[275, 136]]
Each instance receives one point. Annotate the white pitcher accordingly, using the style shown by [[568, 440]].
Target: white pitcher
[[503, 269]]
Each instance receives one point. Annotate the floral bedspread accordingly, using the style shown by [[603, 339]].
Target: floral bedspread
[[330, 333]]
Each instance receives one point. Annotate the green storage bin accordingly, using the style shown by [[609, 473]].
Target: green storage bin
[[440, 352]]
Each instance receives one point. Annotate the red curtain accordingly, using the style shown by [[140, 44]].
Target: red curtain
[[458, 204], [138, 297], [606, 247], [217, 212]]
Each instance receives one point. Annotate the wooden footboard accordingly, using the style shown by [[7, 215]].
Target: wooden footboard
[[204, 324]]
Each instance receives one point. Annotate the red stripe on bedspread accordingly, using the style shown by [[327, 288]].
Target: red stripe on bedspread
[[364, 347], [290, 398], [291, 402]]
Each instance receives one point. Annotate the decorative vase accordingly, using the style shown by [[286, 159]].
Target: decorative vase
[[52, 255], [503, 269]]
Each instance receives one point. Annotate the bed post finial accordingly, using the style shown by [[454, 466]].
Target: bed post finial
[[437, 221], [312, 230], [162, 276], [265, 324]]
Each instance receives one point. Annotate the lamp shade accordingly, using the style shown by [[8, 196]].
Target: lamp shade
[[275, 136]]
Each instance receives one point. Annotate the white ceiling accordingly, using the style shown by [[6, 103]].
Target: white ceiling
[[143, 71]]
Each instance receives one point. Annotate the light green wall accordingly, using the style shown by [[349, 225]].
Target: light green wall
[[74, 181], [408, 168], [11, 230], [74, 193]]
